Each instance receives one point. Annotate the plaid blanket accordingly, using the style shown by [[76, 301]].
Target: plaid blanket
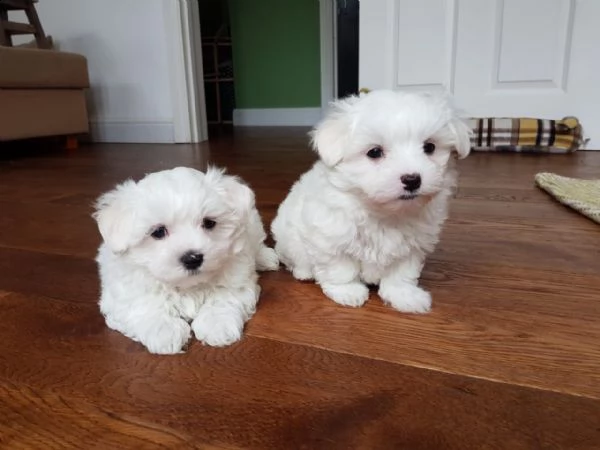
[[526, 135]]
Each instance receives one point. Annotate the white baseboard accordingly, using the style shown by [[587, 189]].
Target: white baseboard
[[276, 117], [132, 132]]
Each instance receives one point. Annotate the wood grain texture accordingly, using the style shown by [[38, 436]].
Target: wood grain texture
[[262, 393], [509, 358]]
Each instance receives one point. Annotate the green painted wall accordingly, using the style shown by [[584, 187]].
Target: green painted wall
[[276, 53]]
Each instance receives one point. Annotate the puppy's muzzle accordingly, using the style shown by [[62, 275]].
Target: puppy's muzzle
[[192, 260]]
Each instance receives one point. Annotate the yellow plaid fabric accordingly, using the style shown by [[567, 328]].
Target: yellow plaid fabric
[[526, 134]]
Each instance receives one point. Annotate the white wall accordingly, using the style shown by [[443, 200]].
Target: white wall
[[125, 43]]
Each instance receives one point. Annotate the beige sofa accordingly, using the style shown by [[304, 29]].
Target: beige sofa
[[42, 93]]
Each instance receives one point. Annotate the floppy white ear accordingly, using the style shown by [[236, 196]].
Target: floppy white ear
[[238, 196], [330, 136], [115, 215], [461, 133]]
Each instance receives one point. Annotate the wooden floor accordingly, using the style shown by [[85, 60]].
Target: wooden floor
[[509, 358]]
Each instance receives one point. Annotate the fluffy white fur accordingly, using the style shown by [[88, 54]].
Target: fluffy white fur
[[350, 221], [147, 293]]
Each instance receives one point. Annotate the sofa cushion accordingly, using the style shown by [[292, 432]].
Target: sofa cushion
[[25, 68], [31, 113]]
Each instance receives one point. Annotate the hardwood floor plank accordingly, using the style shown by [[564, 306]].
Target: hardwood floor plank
[[274, 395], [544, 216], [74, 279], [52, 228], [46, 420], [558, 351], [573, 294], [568, 251]]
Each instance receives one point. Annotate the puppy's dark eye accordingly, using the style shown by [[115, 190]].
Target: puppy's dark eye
[[208, 224], [159, 232], [375, 153], [429, 148]]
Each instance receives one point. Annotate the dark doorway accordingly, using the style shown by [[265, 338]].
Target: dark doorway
[[217, 62], [347, 47]]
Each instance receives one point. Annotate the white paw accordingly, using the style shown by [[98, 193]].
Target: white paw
[[167, 337], [267, 259], [217, 329], [302, 273], [406, 298], [351, 294]]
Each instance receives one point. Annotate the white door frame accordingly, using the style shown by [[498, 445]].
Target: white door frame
[[328, 39], [184, 45]]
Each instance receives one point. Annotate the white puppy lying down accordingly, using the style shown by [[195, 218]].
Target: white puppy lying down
[[180, 246], [372, 208]]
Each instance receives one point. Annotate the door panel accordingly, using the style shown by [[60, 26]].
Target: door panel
[[538, 58]]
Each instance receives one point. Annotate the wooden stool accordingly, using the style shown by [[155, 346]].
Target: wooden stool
[[8, 28]]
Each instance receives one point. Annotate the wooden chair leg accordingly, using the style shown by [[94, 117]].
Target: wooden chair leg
[[72, 143], [5, 38], [33, 18]]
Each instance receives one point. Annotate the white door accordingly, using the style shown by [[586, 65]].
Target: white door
[[499, 58]]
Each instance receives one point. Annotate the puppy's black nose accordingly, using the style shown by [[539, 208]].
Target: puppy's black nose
[[411, 181], [192, 260]]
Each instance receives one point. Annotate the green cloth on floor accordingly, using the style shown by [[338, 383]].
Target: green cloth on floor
[[581, 195]]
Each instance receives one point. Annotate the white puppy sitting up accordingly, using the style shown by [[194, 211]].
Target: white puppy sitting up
[[372, 208], [180, 246]]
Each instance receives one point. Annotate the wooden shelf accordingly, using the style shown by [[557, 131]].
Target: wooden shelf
[[15, 5], [217, 80], [18, 28]]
